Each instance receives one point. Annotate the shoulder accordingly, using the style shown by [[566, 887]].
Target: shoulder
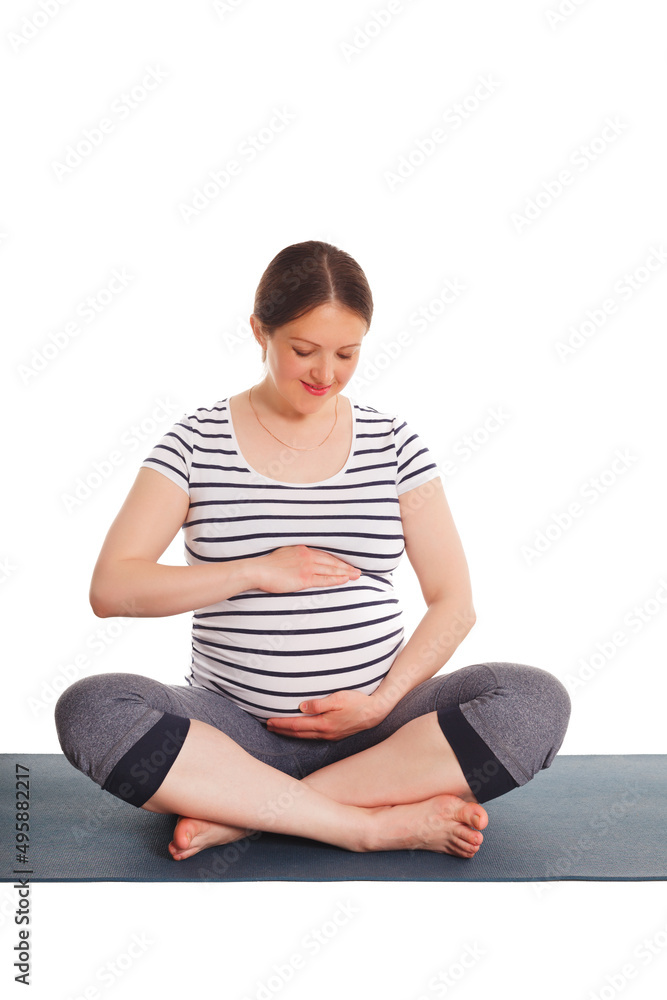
[[216, 413], [369, 414], [377, 421]]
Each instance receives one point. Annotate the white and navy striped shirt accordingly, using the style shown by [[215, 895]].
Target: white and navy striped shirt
[[268, 652]]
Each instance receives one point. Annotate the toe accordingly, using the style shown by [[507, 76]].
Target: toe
[[475, 816], [463, 850], [471, 838], [183, 836]]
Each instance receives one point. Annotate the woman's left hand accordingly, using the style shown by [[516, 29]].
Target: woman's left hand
[[330, 718]]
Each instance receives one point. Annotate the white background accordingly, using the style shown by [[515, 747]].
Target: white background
[[481, 209]]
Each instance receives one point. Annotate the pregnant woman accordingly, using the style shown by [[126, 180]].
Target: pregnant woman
[[305, 711]]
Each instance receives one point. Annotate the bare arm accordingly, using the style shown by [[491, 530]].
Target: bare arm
[[434, 548], [128, 581]]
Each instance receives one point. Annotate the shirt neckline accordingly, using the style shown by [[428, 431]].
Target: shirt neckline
[[280, 482]]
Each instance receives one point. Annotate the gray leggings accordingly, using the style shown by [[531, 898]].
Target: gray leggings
[[504, 722]]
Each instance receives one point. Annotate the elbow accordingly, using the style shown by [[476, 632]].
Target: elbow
[[99, 598], [100, 609], [463, 614], [111, 594], [467, 617]]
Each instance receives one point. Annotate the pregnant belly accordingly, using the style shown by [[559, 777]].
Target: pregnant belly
[[268, 652]]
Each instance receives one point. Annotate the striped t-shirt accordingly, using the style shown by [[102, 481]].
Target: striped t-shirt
[[268, 652]]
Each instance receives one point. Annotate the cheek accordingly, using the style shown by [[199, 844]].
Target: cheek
[[291, 366]]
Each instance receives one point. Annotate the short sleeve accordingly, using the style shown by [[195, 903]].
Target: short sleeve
[[415, 462], [172, 455]]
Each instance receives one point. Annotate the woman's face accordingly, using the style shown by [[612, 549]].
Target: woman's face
[[320, 348]]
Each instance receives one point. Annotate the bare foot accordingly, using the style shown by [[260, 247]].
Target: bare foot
[[444, 823], [193, 835]]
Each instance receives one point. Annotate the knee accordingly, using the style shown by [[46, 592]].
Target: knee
[[557, 711], [545, 708], [73, 708], [80, 713], [76, 716], [541, 711]]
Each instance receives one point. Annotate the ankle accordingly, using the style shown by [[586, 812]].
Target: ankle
[[365, 835]]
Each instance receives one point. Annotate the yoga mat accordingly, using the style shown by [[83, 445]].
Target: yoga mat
[[587, 817]]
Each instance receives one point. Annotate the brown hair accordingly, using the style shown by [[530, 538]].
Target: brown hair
[[304, 276]]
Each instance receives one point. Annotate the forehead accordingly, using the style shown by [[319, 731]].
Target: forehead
[[326, 326], [315, 343]]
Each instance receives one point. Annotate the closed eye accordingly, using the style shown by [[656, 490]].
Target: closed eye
[[345, 357]]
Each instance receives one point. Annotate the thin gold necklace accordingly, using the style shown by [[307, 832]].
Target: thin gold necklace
[[284, 442]]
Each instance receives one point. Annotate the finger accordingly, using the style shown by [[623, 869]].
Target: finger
[[311, 736], [303, 734], [299, 732], [316, 706], [333, 564], [294, 726]]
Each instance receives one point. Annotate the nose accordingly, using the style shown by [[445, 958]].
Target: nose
[[323, 373]]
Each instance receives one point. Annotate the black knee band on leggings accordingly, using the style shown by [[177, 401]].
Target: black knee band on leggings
[[487, 777], [140, 772]]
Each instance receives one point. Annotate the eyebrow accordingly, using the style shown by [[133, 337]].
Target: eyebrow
[[303, 340]]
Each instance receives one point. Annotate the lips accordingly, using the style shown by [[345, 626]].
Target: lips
[[317, 388]]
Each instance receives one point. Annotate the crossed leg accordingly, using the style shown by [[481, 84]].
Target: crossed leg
[[407, 791], [399, 785]]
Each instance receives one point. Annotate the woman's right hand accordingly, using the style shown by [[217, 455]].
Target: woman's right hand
[[296, 567]]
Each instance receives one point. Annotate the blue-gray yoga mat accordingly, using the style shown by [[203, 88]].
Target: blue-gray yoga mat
[[591, 817]]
